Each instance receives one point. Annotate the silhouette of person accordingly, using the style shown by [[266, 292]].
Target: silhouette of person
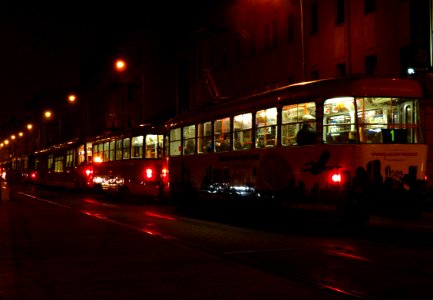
[[306, 135]]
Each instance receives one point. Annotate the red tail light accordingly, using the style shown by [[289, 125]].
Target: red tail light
[[164, 173], [88, 172], [33, 175], [336, 178], [149, 173]]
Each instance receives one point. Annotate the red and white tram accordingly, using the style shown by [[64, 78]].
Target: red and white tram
[[364, 151]]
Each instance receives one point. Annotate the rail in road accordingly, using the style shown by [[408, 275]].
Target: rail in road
[[384, 260]]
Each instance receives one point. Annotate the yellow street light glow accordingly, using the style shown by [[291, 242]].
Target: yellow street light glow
[[29, 126], [13, 136], [120, 65], [20, 134], [6, 142], [47, 114], [72, 98]]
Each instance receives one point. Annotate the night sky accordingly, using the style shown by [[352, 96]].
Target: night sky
[[42, 46]]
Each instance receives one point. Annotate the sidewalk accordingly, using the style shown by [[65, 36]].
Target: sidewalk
[[51, 252]]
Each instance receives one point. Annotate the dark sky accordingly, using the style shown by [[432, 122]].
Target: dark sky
[[37, 52], [42, 45]]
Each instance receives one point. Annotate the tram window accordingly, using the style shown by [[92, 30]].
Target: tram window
[[188, 140], [89, 151], [126, 148], [151, 146], [292, 119], [175, 141], [81, 154], [160, 145], [112, 150], [94, 152], [98, 152], [266, 124], [166, 144], [106, 151], [119, 149], [204, 137], [50, 161], [58, 164], [70, 158], [379, 116], [339, 124], [137, 147], [242, 132], [222, 135]]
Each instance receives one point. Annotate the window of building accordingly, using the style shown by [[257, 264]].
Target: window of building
[[315, 74], [369, 6], [340, 70], [371, 65], [340, 11], [290, 27], [314, 17], [275, 34]]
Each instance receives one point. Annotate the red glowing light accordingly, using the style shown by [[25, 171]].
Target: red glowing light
[[336, 178], [88, 172], [149, 173], [164, 172]]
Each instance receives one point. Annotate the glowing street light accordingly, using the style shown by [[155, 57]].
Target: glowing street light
[[48, 114], [120, 65], [72, 98]]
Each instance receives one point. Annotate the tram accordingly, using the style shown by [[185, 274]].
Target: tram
[[130, 162], [65, 165], [362, 150]]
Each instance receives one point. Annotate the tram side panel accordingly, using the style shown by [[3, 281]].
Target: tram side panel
[[315, 177]]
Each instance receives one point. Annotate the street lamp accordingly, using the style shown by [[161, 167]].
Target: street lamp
[[72, 98], [120, 65]]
